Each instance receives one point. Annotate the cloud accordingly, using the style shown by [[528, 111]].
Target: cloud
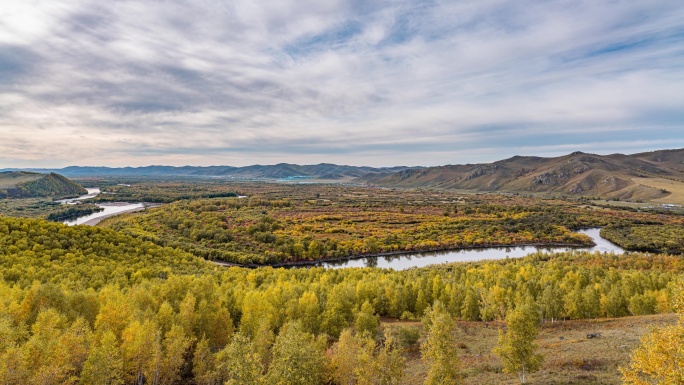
[[380, 83]]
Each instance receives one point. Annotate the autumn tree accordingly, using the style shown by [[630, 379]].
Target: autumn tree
[[239, 363], [345, 358], [297, 358], [175, 345], [104, 365], [660, 357], [204, 364], [516, 346], [379, 365], [138, 350], [440, 350]]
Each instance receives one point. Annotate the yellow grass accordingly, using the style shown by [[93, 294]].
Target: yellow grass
[[676, 189]]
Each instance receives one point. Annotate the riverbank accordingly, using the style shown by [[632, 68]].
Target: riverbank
[[447, 249], [401, 253]]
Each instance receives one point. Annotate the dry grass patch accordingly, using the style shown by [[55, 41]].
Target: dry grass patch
[[676, 189], [570, 357]]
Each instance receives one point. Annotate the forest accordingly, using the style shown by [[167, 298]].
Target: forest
[[135, 301], [160, 313]]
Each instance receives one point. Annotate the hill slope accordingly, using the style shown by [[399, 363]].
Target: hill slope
[[22, 184], [611, 176]]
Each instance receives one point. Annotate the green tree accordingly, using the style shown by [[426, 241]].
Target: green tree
[[379, 365], [297, 358], [440, 350], [309, 312], [367, 322], [516, 346], [551, 302], [614, 304], [338, 312]]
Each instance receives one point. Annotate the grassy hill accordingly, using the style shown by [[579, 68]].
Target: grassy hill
[[651, 176], [23, 184]]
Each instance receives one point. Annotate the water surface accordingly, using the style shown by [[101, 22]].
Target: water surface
[[406, 261], [109, 208]]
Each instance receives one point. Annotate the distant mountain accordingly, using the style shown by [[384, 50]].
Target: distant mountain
[[325, 171], [649, 176], [634, 177], [23, 184]]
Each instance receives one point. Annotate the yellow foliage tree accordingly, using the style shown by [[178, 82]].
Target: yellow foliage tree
[[659, 359]]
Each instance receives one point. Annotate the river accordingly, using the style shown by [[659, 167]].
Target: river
[[110, 209], [397, 262], [406, 261]]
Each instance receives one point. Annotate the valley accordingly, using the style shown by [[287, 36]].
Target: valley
[[199, 274]]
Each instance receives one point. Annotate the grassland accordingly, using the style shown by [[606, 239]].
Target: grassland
[[675, 188], [570, 357]]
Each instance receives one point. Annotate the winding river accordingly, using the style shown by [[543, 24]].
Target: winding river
[[406, 261], [397, 262], [110, 209]]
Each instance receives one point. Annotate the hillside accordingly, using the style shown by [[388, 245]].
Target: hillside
[[23, 184], [626, 177]]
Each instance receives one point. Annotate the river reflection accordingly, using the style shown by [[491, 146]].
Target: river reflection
[[406, 261]]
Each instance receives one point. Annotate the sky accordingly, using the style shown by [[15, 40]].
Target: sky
[[359, 82]]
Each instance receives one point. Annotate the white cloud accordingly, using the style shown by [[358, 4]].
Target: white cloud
[[392, 82]]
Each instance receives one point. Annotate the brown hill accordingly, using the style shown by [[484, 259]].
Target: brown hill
[[580, 174]]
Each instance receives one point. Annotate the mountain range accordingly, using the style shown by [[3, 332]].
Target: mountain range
[[648, 176], [323, 171], [644, 176]]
